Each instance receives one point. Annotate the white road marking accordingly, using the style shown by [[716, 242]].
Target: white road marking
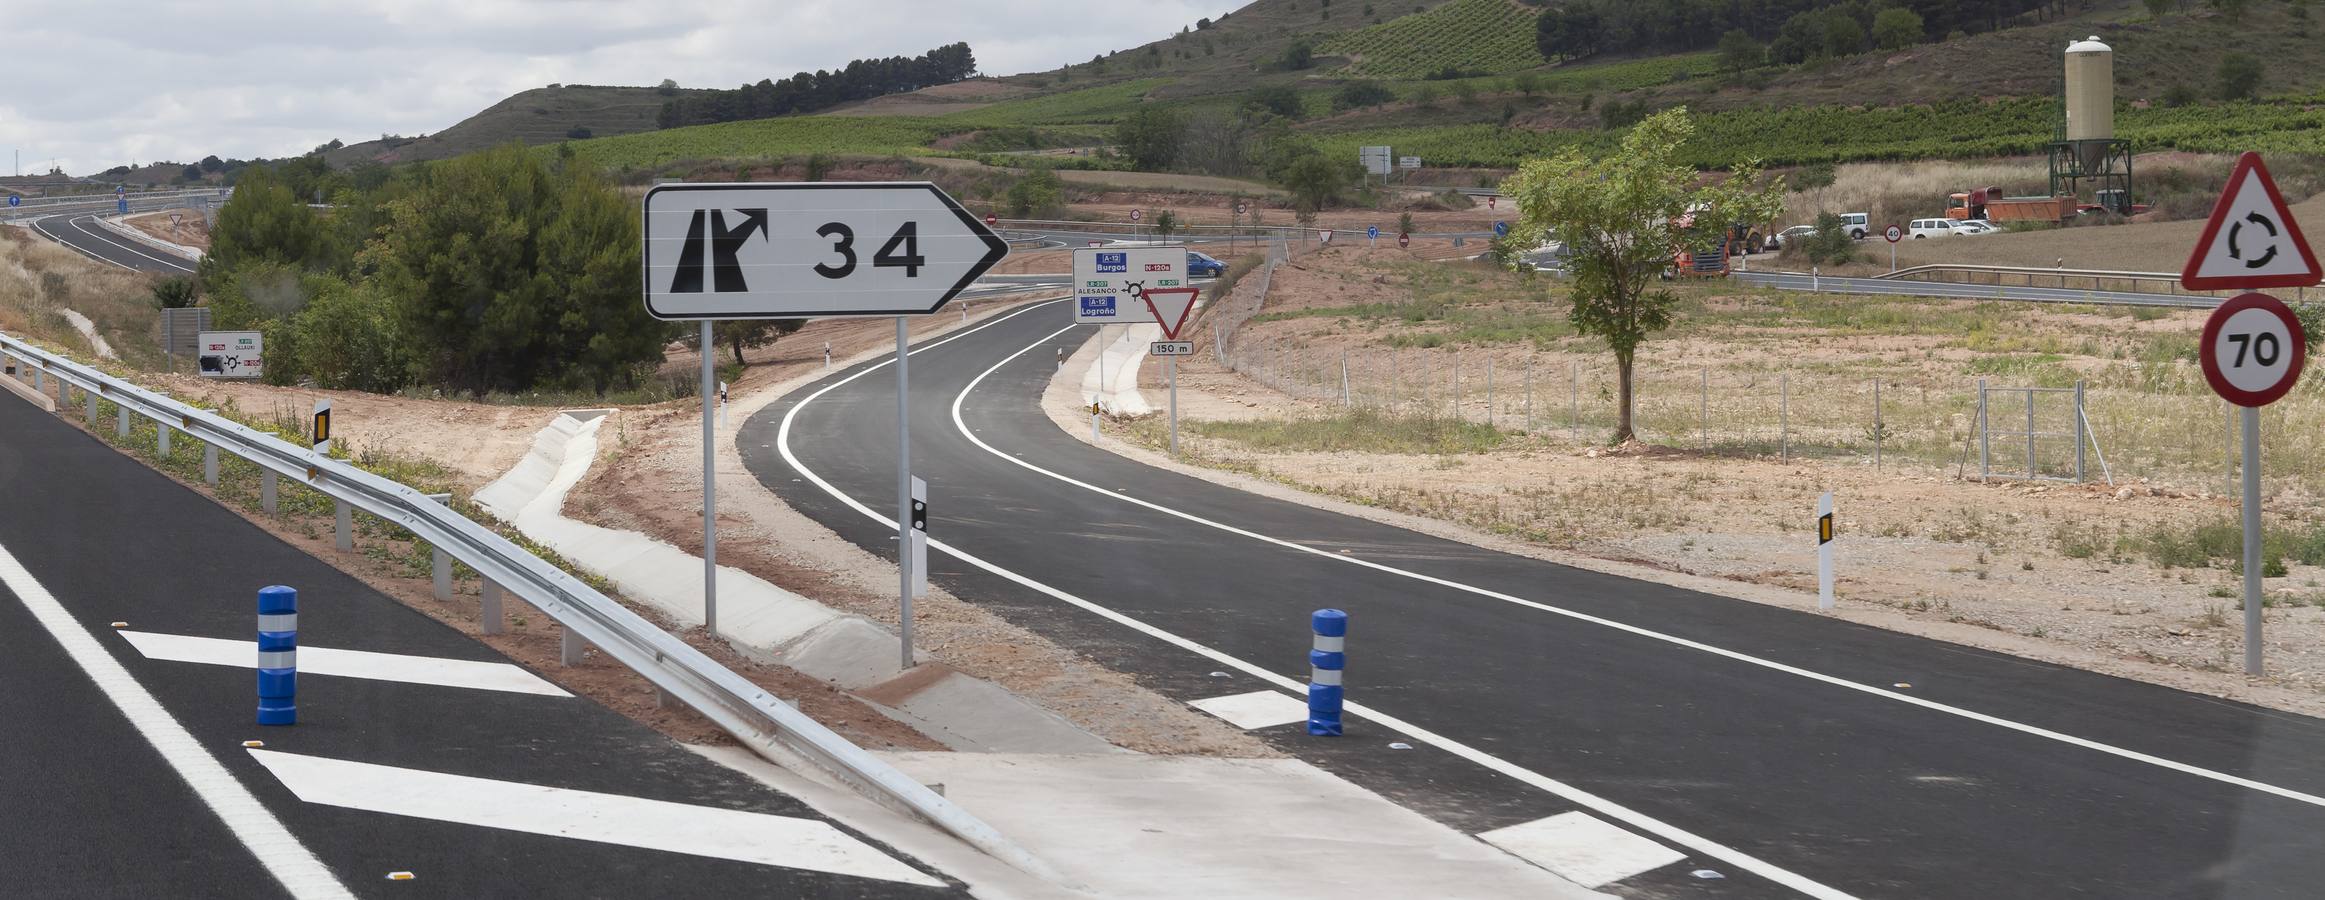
[[1583, 849], [485, 676], [76, 224], [260, 832], [1908, 699], [1573, 794], [1258, 709], [76, 248], [749, 837]]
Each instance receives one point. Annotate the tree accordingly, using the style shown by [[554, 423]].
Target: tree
[[1278, 99], [1464, 92], [1317, 182], [1405, 223], [191, 173], [1896, 28], [345, 340], [1165, 222], [1149, 136], [1037, 193], [1526, 83], [173, 293], [507, 272], [1615, 216], [1362, 93], [1299, 55], [2240, 75], [1843, 34], [1739, 51], [1814, 178], [262, 221], [1425, 96]]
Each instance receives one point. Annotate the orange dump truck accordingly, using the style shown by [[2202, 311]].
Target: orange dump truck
[[1989, 205]]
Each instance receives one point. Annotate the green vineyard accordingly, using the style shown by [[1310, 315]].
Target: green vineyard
[[1472, 36]]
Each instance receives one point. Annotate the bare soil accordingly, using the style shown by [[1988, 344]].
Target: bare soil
[[191, 230], [478, 441]]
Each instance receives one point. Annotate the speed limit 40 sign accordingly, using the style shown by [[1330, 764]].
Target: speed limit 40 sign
[[2253, 349]]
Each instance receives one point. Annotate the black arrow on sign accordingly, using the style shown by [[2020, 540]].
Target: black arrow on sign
[[726, 270], [2263, 259]]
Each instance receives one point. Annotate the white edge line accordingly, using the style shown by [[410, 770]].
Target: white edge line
[[76, 248], [1738, 656], [260, 832], [75, 222], [1576, 795]]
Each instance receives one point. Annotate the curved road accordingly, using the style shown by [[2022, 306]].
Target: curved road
[[82, 233], [1796, 754]]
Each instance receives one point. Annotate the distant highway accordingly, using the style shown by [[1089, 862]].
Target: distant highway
[[1830, 285], [82, 233]]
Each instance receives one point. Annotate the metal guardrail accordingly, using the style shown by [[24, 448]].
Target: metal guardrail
[[1952, 290], [754, 716], [2099, 278]]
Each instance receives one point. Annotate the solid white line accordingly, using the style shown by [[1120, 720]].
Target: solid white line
[[76, 248], [1835, 681], [1257, 709], [1583, 849], [432, 670], [76, 223], [1537, 780], [258, 830], [749, 837]]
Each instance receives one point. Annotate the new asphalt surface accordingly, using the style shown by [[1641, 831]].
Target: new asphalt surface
[[82, 233], [95, 812], [1792, 753]]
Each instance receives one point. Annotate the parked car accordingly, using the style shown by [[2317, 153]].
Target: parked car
[[1794, 233], [1976, 226], [1202, 265], [1929, 228], [1857, 224]]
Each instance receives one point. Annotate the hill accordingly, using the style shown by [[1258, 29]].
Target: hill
[[538, 116]]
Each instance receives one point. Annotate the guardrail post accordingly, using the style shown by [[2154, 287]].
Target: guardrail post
[[569, 648], [266, 491], [1325, 663], [210, 464], [343, 525], [440, 562], [489, 608], [278, 655], [161, 437], [121, 421]]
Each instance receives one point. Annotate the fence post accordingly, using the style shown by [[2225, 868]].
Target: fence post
[[1877, 435], [1347, 399], [1529, 379], [1784, 417], [1456, 385], [2080, 432], [1985, 438], [1490, 419], [488, 608], [1574, 399], [1703, 407], [2030, 470]]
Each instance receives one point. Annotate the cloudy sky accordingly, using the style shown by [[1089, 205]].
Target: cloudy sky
[[93, 85]]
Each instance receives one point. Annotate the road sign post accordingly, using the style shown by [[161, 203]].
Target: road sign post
[[1371, 236], [1893, 234], [1170, 307], [2253, 347], [1824, 551], [785, 251]]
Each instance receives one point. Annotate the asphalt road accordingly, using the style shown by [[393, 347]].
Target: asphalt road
[[82, 233], [97, 807], [1793, 753]]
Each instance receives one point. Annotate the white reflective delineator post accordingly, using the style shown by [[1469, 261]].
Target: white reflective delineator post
[[919, 538], [1824, 551]]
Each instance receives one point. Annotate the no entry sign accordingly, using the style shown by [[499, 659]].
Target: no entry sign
[[2253, 349]]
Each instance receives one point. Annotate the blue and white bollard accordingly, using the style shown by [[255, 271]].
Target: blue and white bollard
[[278, 655], [1324, 665]]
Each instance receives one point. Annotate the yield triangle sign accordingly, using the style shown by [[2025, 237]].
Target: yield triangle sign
[[2251, 240], [1170, 307]]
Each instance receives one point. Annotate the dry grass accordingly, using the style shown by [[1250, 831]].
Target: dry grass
[[39, 280]]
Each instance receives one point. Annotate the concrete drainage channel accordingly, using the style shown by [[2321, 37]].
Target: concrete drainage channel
[[769, 727], [762, 620]]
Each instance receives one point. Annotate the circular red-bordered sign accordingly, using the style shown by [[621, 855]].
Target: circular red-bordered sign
[[2252, 350], [1894, 234]]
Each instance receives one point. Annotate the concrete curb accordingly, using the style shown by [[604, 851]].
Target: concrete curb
[[115, 225]]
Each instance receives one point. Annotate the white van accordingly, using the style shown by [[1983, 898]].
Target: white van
[[1929, 228], [1857, 224]]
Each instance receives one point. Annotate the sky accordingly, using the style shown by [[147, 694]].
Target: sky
[[92, 85]]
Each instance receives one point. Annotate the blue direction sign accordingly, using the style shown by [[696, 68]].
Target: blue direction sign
[[14, 200], [1501, 229], [1373, 232], [124, 206], [120, 189]]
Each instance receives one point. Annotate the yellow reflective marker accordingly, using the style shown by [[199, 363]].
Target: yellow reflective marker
[[254, 744], [1824, 528], [400, 876], [120, 624]]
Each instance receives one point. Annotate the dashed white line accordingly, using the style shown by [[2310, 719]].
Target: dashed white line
[[275, 847], [1583, 849]]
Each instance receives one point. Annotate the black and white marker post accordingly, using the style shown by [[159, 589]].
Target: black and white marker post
[[2253, 347], [789, 251]]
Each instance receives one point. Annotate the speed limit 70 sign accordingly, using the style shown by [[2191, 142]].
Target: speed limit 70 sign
[[2253, 349]]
